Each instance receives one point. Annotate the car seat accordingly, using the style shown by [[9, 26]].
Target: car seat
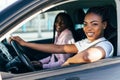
[[111, 31], [79, 19]]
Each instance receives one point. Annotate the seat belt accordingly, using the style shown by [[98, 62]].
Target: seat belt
[[92, 44]]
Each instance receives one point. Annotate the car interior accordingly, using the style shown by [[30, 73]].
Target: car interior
[[77, 14]]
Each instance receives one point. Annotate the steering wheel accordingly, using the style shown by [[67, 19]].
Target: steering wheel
[[24, 59]]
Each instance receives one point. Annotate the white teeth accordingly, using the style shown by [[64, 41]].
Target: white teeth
[[90, 34]]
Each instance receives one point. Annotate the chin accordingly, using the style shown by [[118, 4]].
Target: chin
[[91, 38]]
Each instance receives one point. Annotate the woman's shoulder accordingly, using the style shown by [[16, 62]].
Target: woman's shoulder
[[107, 46], [105, 43], [66, 32]]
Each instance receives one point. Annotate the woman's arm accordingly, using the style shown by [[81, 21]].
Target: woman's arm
[[90, 55], [50, 48]]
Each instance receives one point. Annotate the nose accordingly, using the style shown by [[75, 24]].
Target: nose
[[58, 25], [88, 27]]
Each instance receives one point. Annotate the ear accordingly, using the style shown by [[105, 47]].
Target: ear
[[104, 24]]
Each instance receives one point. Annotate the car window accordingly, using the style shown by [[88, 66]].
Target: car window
[[6, 3], [40, 26]]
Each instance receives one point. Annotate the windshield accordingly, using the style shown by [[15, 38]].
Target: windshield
[[6, 3]]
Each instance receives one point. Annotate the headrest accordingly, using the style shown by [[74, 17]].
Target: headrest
[[111, 30], [79, 16], [113, 16]]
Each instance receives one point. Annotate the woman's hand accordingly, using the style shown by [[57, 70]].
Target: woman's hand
[[18, 39], [65, 64]]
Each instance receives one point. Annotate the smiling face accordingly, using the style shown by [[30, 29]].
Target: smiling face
[[94, 26], [60, 25]]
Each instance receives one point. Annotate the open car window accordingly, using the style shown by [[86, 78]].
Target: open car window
[[6, 3], [41, 26]]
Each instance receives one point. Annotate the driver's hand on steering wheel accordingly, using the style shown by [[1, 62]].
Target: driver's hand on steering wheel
[[18, 39]]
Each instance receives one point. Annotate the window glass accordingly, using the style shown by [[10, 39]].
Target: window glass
[[6, 3], [40, 27]]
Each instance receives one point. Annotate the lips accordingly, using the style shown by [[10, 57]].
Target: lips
[[90, 34], [58, 29]]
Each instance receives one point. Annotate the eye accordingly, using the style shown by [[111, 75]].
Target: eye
[[95, 24], [84, 24]]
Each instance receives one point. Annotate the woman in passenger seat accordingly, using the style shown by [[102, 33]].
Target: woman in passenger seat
[[91, 49], [63, 34]]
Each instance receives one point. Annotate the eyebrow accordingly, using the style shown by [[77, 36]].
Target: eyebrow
[[95, 21], [92, 21]]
